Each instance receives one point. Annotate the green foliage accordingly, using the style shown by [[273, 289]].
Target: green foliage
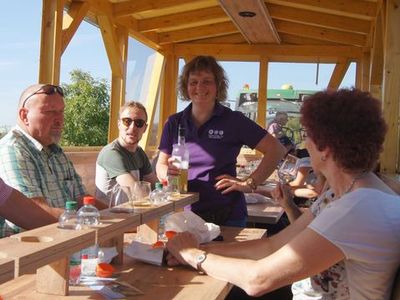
[[87, 106], [293, 131]]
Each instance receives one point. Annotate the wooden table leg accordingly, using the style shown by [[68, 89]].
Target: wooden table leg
[[53, 278], [148, 233]]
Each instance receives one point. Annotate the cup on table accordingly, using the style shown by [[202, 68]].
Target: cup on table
[[140, 193], [121, 199]]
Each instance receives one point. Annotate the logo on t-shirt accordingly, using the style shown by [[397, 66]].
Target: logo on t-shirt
[[215, 134]]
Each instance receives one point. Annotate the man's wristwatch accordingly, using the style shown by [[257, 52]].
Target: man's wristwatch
[[199, 260], [251, 183]]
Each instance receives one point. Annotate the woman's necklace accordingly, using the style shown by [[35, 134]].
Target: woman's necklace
[[352, 183]]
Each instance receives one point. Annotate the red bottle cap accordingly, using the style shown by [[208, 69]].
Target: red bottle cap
[[88, 200]]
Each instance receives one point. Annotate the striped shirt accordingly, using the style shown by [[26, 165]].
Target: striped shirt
[[5, 192], [37, 171]]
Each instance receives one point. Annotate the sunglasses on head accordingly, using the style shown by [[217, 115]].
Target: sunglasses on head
[[139, 123], [47, 89]]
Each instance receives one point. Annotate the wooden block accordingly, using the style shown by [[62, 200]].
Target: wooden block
[[148, 233], [7, 267], [184, 200], [36, 248], [53, 278], [115, 224], [148, 214]]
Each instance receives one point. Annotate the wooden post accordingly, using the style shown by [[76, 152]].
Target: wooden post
[[53, 278], [50, 43], [391, 92], [262, 93]]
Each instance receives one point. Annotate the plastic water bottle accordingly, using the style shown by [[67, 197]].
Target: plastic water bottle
[[67, 220], [89, 260], [75, 268], [157, 196], [88, 215]]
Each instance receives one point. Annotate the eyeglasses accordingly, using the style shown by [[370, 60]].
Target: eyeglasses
[[139, 123], [303, 133], [47, 89]]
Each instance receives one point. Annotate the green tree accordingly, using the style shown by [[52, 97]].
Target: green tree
[[87, 106]]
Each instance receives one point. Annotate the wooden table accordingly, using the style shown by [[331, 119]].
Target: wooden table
[[266, 213], [156, 282]]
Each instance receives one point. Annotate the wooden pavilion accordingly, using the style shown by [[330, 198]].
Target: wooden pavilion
[[318, 31]]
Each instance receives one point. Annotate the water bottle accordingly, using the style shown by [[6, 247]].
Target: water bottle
[[67, 220], [88, 215], [157, 196], [75, 268], [89, 260], [180, 153]]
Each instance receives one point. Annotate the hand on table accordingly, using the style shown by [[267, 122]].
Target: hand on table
[[228, 183], [180, 249]]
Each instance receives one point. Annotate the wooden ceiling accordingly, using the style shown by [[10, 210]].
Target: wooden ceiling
[[158, 23]]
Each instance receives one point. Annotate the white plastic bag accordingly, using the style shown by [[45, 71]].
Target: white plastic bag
[[189, 221]]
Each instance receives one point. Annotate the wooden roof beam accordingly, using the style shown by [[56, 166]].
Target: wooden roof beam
[[190, 34], [294, 53], [126, 8], [71, 22], [111, 44], [323, 34], [338, 74], [321, 19], [235, 38], [360, 9], [258, 29], [301, 40], [190, 18], [105, 8]]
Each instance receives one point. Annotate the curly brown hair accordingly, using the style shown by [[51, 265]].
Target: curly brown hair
[[204, 63], [350, 123]]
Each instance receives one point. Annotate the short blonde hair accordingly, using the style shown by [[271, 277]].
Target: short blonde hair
[[132, 104]]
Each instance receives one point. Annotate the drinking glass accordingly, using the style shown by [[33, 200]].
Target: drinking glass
[[121, 199], [287, 171], [140, 193]]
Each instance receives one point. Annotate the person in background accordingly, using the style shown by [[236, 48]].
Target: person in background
[[31, 160], [348, 242], [276, 126], [214, 135], [20, 210], [123, 161]]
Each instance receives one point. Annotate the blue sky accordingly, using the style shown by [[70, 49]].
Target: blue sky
[[20, 22]]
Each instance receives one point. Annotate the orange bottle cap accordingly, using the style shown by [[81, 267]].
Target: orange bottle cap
[[104, 270]]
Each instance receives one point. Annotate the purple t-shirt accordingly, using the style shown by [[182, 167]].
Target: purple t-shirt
[[5, 192], [213, 150]]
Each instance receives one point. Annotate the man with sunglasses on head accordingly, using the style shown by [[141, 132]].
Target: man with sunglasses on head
[[30, 159], [123, 161]]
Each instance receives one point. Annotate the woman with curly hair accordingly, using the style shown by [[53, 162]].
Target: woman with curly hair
[[214, 135], [348, 243]]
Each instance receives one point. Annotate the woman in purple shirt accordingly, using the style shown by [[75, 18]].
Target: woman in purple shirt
[[215, 134]]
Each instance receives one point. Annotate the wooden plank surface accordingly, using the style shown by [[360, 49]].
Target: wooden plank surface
[[184, 200], [6, 268], [36, 248], [156, 282], [266, 213]]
